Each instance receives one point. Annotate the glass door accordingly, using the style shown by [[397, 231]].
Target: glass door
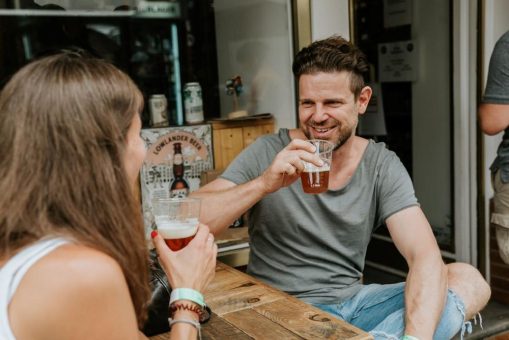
[[408, 44]]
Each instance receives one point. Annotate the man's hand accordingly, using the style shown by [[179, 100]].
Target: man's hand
[[288, 164]]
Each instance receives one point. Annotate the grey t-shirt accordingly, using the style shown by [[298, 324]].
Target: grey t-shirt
[[314, 246], [497, 92]]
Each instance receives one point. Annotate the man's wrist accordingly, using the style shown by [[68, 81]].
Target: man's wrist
[[262, 188]]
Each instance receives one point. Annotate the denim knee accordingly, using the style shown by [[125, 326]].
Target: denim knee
[[451, 322]]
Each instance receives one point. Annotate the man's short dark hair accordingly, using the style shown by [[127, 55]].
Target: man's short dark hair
[[333, 54]]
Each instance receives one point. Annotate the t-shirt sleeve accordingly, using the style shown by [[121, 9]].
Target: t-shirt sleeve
[[247, 165], [395, 188], [497, 85]]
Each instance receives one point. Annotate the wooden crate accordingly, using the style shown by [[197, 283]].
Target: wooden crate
[[230, 137]]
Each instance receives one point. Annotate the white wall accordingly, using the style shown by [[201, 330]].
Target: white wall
[[329, 17], [254, 40]]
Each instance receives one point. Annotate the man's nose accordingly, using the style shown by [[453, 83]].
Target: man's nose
[[320, 114]]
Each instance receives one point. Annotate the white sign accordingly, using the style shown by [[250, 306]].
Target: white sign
[[397, 61], [397, 13], [158, 173]]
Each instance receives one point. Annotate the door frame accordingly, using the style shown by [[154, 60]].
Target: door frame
[[464, 89]]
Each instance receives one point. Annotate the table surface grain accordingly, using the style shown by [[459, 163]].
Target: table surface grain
[[245, 308]]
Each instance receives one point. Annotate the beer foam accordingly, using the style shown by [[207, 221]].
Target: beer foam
[[310, 167], [172, 229]]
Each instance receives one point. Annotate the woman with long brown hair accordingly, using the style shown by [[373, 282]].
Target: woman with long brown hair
[[73, 254]]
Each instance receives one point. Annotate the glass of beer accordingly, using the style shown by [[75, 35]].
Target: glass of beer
[[316, 179], [177, 220]]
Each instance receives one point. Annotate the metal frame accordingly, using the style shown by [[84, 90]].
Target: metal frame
[[464, 129]]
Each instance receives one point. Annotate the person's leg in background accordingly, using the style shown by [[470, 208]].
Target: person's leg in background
[[500, 214]]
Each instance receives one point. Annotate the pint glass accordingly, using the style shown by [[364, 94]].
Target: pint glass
[[177, 220], [316, 179]]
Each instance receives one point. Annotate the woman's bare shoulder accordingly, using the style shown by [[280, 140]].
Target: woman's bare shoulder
[[75, 266], [68, 289]]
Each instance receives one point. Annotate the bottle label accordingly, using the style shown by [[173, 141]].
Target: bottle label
[[158, 107], [177, 159], [179, 193], [193, 103]]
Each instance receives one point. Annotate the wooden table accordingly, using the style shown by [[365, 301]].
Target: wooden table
[[245, 308]]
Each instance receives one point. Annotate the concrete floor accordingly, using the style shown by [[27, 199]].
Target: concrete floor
[[495, 317]]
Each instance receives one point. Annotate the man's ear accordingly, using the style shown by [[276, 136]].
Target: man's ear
[[364, 98]]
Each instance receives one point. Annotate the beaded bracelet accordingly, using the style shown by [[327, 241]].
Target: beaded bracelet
[[189, 322], [202, 312]]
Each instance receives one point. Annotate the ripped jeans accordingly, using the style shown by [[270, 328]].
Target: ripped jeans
[[380, 310]]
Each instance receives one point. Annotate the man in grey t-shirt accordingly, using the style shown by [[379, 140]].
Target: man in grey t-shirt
[[494, 118], [314, 246]]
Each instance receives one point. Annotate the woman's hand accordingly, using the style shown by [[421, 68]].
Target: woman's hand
[[194, 265]]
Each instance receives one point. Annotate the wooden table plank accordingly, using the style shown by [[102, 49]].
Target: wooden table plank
[[249, 297], [246, 308], [232, 290], [215, 329], [258, 326], [224, 281], [219, 329], [308, 322]]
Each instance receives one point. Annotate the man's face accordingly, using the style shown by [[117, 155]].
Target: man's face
[[327, 107]]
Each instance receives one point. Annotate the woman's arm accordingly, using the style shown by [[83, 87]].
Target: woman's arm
[[182, 331], [192, 267]]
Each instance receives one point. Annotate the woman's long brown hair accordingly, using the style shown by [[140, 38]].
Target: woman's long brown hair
[[63, 126]]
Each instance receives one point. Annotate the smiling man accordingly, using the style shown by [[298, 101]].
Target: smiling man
[[314, 246]]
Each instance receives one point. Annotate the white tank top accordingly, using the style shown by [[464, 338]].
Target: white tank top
[[12, 273]]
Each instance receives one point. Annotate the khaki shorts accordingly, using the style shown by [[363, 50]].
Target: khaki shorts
[[500, 214]]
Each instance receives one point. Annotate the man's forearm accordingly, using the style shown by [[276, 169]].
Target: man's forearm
[[220, 208], [425, 296]]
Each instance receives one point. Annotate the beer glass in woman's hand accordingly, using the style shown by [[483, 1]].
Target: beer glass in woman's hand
[[177, 220]]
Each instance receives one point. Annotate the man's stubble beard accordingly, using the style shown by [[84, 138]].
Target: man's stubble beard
[[344, 133]]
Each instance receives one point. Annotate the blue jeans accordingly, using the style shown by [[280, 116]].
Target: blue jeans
[[380, 310]]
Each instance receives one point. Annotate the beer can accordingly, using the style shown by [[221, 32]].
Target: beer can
[[158, 107], [193, 103]]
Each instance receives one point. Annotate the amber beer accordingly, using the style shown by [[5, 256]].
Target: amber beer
[[315, 179], [177, 220], [315, 182], [177, 234]]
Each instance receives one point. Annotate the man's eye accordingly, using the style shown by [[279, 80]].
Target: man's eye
[[334, 104]]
